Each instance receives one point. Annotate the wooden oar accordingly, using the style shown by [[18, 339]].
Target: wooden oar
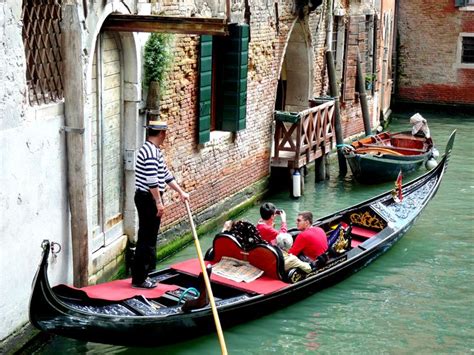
[[207, 282]]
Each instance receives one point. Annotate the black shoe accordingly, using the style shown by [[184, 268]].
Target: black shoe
[[147, 284], [151, 280]]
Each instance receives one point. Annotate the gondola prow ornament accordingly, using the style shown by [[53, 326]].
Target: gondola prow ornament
[[397, 192]]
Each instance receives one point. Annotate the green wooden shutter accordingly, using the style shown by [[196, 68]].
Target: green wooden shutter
[[459, 3], [205, 93], [234, 79]]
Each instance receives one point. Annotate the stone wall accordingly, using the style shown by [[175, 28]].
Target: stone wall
[[427, 53]]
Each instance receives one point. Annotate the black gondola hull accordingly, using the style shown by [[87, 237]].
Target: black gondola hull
[[51, 313]]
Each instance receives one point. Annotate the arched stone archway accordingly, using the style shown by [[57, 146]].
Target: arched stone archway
[[114, 95], [295, 81]]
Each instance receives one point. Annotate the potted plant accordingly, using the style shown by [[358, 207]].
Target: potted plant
[[369, 81], [157, 59]]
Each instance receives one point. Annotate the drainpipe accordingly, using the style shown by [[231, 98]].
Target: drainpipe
[[330, 25], [74, 95]]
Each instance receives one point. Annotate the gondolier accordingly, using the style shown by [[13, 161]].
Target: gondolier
[[151, 177]]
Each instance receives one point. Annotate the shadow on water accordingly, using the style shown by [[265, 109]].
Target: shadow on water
[[417, 298]]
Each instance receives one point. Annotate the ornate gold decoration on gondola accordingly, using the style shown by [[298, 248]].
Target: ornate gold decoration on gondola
[[342, 243], [367, 219]]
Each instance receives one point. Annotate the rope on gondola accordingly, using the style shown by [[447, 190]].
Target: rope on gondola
[[344, 145], [189, 290]]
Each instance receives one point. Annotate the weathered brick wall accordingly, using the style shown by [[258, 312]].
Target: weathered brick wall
[[352, 122], [428, 36], [226, 165]]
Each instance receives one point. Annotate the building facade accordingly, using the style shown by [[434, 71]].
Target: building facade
[[436, 52], [74, 107]]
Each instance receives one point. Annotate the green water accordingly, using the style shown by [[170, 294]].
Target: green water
[[416, 298]]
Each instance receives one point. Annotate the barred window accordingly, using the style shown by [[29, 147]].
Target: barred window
[[42, 41]]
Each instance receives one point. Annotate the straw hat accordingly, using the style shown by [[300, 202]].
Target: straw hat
[[157, 125]]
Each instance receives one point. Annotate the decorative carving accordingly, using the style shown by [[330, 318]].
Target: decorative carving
[[246, 233], [367, 219]]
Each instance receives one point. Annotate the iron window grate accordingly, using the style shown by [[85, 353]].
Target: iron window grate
[[42, 42]]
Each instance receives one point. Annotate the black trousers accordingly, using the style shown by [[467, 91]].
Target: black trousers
[[148, 227]]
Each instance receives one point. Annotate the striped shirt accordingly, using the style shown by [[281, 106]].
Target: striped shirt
[[150, 169]]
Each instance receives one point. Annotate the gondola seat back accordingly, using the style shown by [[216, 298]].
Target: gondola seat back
[[225, 245], [263, 256], [268, 258]]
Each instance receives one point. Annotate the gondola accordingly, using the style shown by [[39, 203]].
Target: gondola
[[379, 158], [175, 312]]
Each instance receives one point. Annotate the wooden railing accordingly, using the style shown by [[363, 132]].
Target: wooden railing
[[303, 137]]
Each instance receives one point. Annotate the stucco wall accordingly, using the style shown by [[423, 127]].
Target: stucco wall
[[33, 196]]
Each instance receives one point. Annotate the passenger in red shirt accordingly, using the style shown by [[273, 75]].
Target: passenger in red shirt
[[312, 241], [265, 225]]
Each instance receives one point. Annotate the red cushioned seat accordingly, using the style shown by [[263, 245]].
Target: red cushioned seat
[[363, 232]]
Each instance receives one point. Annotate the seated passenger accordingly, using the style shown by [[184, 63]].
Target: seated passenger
[[265, 225], [227, 226], [284, 241], [312, 241]]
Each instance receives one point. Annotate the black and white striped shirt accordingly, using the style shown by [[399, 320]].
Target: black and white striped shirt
[[150, 169]]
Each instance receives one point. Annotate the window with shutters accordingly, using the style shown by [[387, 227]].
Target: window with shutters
[[42, 40], [223, 82], [465, 51]]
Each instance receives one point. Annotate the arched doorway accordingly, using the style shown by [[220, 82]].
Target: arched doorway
[[106, 178], [295, 81]]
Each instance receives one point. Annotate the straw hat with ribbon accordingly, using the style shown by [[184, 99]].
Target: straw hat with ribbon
[[157, 125]]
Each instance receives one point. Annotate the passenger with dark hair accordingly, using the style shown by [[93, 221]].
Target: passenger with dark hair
[[312, 241], [266, 225]]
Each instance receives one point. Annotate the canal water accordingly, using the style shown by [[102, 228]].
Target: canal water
[[416, 298]]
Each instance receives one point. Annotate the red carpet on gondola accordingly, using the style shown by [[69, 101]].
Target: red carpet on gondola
[[119, 290], [262, 285]]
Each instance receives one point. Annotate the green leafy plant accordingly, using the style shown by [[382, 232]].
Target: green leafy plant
[[369, 81], [157, 57], [369, 78]]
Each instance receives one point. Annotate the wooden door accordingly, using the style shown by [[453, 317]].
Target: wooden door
[[106, 171]]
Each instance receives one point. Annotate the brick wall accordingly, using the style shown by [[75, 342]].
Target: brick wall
[[226, 165], [229, 162], [428, 38]]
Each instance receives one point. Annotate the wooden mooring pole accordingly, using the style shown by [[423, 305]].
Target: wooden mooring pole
[[75, 142], [363, 96], [337, 114]]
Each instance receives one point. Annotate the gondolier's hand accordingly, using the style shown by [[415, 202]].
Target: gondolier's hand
[[160, 209], [184, 196]]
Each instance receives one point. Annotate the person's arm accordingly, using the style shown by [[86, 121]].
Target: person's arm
[[298, 246], [267, 232], [292, 261], [182, 194], [159, 203], [284, 226]]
